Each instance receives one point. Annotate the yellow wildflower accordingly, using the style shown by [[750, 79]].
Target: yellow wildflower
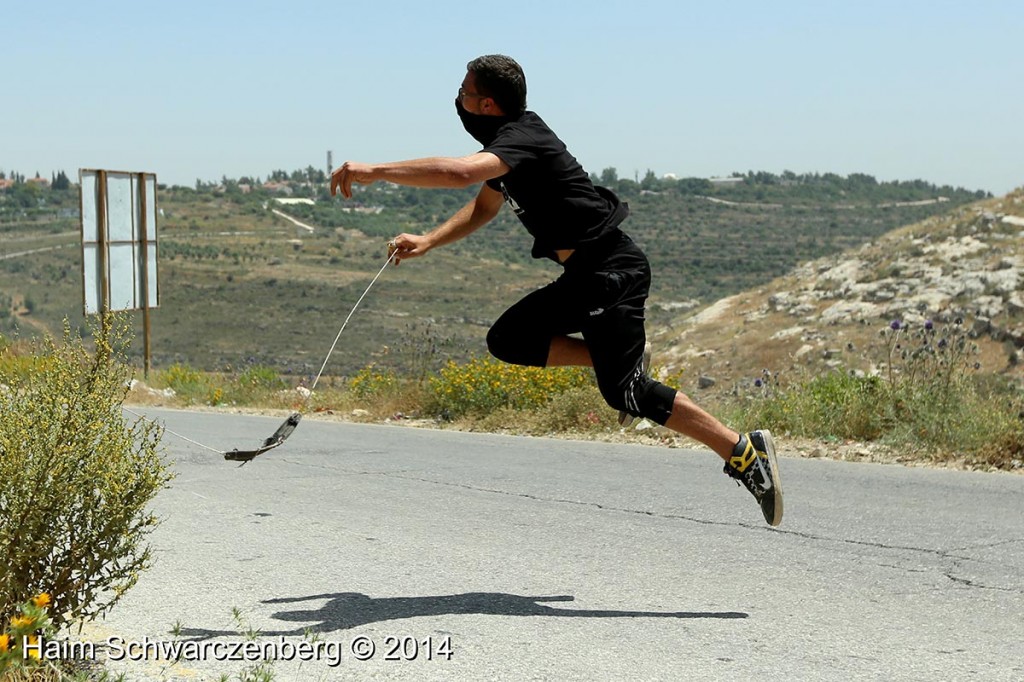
[[5, 641], [21, 622], [33, 641], [42, 601]]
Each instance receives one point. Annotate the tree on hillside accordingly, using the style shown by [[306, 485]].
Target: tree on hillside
[[25, 195], [693, 186], [861, 179], [315, 175], [61, 182]]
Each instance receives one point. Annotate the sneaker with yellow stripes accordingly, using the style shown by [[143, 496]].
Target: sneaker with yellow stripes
[[754, 464]]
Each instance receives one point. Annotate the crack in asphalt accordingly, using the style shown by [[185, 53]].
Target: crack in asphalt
[[979, 586], [942, 553], [988, 545]]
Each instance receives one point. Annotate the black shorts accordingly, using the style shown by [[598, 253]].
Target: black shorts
[[601, 295]]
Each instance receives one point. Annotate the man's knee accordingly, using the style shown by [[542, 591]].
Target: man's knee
[[517, 348], [499, 344], [641, 396]]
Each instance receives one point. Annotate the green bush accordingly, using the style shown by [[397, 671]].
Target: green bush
[[75, 478], [191, 385], [926, 398], [17, 360], [184, 380], [833, 405], [261, 378], [576, 410], [254, 385], [372, 383], [484, 386]]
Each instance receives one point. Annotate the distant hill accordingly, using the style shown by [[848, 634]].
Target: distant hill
[[706, 239], [965, 265], [242, 284]]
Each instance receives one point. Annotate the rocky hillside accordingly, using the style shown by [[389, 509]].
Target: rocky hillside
[[829, 313]]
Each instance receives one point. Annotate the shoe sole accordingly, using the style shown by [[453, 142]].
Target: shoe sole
[[773, 461]]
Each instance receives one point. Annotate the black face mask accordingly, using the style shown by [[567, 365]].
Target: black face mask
[[483, 128]]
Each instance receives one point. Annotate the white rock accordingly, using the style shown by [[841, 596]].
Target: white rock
[[1015, 306], [803, 310], [779, 300], [804, 350], [845, 272], [988, 306], [1003, 281], [786, 333], [850, 311], [953, 248], [713, 311]]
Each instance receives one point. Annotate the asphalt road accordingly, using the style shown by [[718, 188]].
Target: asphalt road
[[482, 557]]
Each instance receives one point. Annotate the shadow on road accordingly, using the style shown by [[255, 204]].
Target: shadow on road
[[346, 610]]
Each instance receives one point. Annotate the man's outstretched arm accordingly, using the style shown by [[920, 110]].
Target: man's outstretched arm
[[474, 215], [438, 171]]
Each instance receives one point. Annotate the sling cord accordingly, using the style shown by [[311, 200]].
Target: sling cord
[[391, 255]]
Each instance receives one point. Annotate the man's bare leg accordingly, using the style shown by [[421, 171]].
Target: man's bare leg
[[568, 351], [687, 417], [690, 420], [756, 467]]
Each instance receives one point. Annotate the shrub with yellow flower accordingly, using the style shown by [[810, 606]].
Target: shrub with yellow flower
[[19, 646], [372, 382], [484, 385], [79, 476]]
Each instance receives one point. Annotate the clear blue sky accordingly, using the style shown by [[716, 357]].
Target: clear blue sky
[[897, 89]]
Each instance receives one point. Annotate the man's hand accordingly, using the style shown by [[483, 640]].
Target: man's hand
[[408, 246], [349, 172]]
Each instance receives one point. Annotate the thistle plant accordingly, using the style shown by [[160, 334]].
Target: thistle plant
[[929, 356], [932, 394], [925, 398]]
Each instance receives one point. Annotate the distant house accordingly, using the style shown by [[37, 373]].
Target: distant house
[[5, 183], [370, 210], [291, 202], [725, 181], [278, 187], [41, 182]]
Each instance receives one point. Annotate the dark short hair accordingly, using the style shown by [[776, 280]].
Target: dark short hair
[[502, 79]]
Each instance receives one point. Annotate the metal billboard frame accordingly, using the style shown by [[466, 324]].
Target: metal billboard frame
[[118, 229]]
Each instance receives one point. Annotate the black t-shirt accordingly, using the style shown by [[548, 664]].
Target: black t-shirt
[[549, 190]]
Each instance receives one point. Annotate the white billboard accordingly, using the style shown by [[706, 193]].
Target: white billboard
[[119, 240]]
